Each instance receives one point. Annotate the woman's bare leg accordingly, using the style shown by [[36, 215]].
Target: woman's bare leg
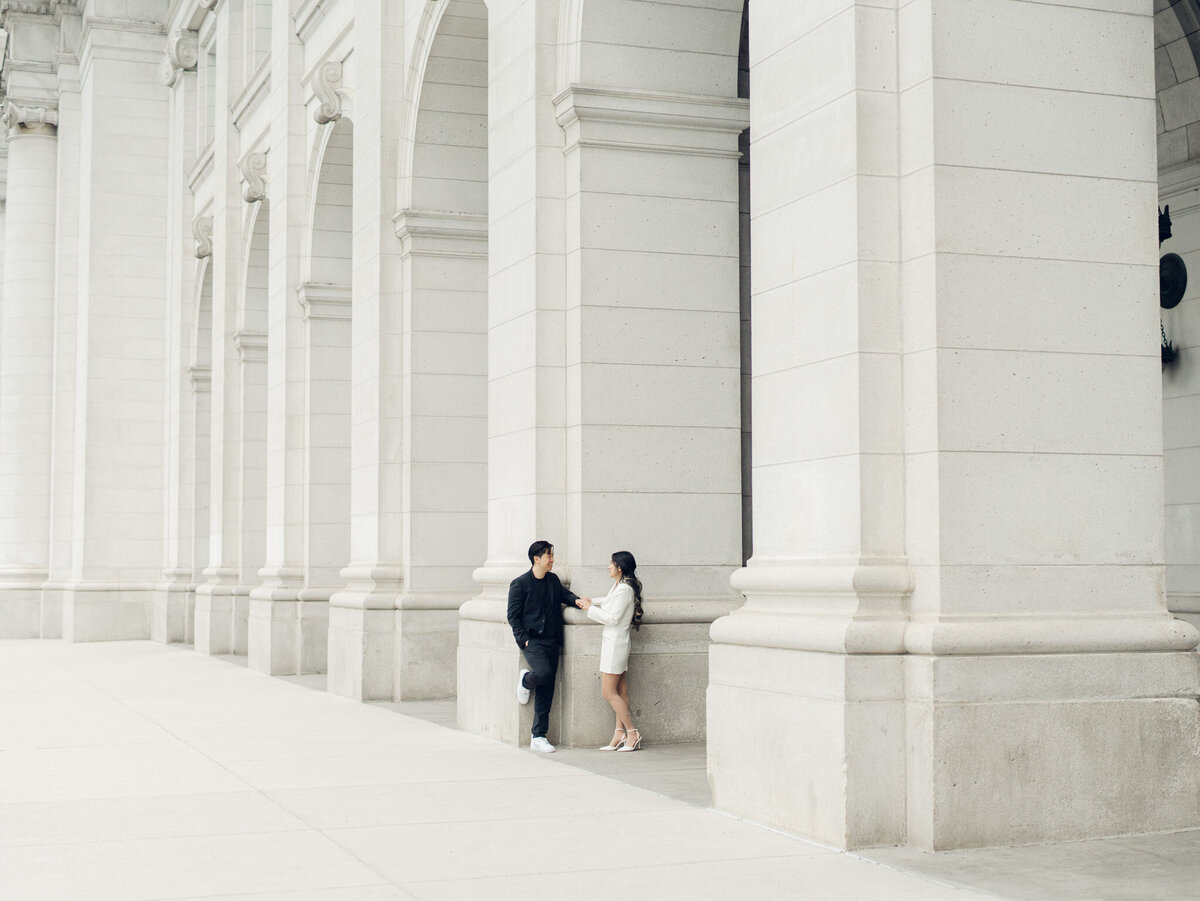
[[610, 690]]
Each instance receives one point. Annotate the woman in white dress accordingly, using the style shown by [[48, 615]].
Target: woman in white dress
[[619, 612]]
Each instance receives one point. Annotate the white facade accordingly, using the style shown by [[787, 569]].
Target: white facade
[[316, 314]]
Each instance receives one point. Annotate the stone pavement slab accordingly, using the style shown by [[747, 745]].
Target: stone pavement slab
[[134, 770]]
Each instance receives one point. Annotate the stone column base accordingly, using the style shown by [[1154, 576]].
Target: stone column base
[[107, 611], [1039, 747], [216, 617], [954, 752], [488, 664], [360, 652], [287, 637], [385, 645], [173, 612], [426, 649], [668, 673], [52, 609], [20, 611], [808, 742]]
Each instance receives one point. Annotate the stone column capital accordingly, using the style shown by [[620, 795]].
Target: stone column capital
[[182, 55], [29, 119]]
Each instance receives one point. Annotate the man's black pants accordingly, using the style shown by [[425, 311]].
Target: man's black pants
[[542, 657]]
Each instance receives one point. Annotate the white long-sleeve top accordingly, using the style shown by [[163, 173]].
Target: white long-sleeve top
[[615, 612]]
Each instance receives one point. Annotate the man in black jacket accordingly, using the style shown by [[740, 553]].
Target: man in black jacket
[[535, 602]]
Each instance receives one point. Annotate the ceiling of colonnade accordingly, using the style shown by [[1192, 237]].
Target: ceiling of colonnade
[[1177, 81]]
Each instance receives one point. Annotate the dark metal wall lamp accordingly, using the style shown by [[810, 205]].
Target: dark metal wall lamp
[[1172, 282]]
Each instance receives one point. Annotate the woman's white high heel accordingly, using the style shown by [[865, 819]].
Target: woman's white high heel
[[634, 746], [615, 745]]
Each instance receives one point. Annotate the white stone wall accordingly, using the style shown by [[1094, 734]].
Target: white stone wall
[[317, 314]]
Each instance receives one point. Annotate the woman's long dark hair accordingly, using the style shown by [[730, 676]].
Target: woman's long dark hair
[[624, 561]]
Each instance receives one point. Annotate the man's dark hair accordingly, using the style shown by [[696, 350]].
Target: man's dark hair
[[538, 548]]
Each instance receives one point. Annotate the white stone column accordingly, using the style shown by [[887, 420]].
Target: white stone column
[[527, 439], [807, 672], [954, 631], [174, 606], [216, 596], [120, 403], [653, 386], [62, 479], [27, 366], [275, 625], [1034, 452], [364, 623]]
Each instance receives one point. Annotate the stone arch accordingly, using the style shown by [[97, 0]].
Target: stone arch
[[327, 250], [252, 310], [449, 138], [1177, 83]]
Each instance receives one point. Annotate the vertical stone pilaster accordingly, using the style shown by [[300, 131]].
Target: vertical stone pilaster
[[174, 608], [527, 462], [363, 623], [217, 615], [805, 710], [276, 612], [1034, 468], [65, 300], [653, 375], [952, 635], [27, 366], [120, 401]]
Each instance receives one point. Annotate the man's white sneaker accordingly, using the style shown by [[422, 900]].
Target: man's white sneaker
[[540, 744], [522, 691]]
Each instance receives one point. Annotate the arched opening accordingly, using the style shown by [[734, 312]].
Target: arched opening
[[1177, 78], [325, 297], [251, 340], [200, 371]]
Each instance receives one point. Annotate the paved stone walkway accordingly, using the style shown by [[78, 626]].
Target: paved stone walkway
[[134, 770]]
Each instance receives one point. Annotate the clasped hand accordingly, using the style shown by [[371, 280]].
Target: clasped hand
[[584, 603]]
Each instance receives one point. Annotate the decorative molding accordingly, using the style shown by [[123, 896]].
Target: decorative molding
[[251, 346], [206, 4], [37, 119], [201, 379], [327, 86], [183, 53], [201, 168], [202, 230], [439, 234], [256, 91], [651, 121], [28, 7], [322, 300], [254, 169], [309, 14]]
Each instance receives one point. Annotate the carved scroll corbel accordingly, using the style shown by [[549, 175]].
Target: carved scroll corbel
[[254, 171], [202, 229], [183, 52], [327, 85]]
